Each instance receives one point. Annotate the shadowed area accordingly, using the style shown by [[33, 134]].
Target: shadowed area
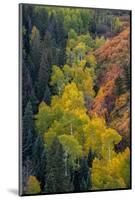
[[13, 191]]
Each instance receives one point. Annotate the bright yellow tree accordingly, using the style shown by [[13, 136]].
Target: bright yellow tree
[[112, 174], [33, 186]]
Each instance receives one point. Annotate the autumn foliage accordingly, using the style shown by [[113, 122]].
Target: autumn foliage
[[76, 100], [112, 99]]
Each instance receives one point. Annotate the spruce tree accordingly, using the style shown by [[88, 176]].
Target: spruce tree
[[31, 68], [47, 95], [47, 59], [90, 158], [35, 50], [39, 160], [82, 176], [61, 41], [49, 46], [57, 181], [28, 134], [34, 102], [41, 21], [85, 183], [26, 86], [27, 170], [52, 28], [43, 76]]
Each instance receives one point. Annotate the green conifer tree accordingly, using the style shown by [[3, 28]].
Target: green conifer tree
[[47, 95], [39, 160], [28, 136], [57, 180]]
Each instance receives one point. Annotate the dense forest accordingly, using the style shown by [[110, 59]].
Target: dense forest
[[75, 99]]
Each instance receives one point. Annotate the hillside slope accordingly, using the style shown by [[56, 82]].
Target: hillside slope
[[113, 82]]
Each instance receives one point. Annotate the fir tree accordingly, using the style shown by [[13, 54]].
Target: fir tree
[[41, 21], [34, 102], [90, 158], [39, 160], [84, 175], [26, 86], [27, 171], [47, 59], [35, 50], [43, 76], [28, 131], [48, 47], [57, 180], [47, 95]]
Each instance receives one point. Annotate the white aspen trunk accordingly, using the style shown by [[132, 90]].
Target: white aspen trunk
[[71, 129], [66, 163], [109, 152], [59, 90]]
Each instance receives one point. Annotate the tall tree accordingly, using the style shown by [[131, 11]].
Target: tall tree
[[45, 66], [43, 76], [82, 177], [48, 46], [57, 180], [57, 79], [34, 102], [85, 176], [40, 19], [35, 50], [39, 160], [47, 95], [28, 131], [27, 170], [26, 86], [61, 40], [27, 26]]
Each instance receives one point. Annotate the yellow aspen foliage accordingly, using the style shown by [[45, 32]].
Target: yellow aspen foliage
[[68, 72], [83, 77], [49, 137], [72, 148], [57, 79], [120, 166], [34, 33], [101, 139], [87, 87], [91, 60], [112, 174], [33, 186], [56, 108], [95, 129], [109, 138], [72, 98], [43, 118], [82, 63], [99, 41], [71, 43]]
